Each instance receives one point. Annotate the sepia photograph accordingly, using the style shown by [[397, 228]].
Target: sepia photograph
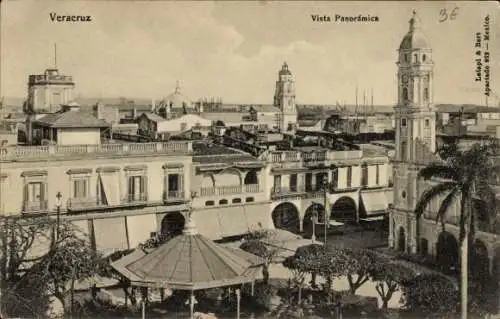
[[249, 159]]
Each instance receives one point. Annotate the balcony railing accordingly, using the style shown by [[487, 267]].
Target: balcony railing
[[135, 198], [35, 206], [229, 190], [252, 188], [314, 157], [85, 203], [173, 196], [22, 152], [284, 191]]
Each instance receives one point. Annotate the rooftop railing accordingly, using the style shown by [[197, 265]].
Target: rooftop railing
[[30, 152], [314, 156]]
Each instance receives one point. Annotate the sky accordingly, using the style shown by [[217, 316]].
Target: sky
[[234, 50]]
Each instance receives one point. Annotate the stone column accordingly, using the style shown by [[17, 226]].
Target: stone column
[[412, 236], [391, 229]]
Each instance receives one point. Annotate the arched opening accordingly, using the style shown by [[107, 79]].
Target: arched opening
[[317, 210], [251, 178], [229, 177], [344, 210], [172, 225], [401, 239], [424, 247], [405, 94], [447, 253], [286, 216], [479, 261]]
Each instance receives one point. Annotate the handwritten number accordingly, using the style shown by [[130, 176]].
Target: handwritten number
[[443, 14]]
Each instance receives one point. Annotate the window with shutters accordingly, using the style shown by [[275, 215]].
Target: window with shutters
[[364, 175], [80, 188], [349, 177], [137, 189], [293, 182], [173, 186], [309, 184], [335, 178], [321, 180], [35, 196], [377, 174], [277, 184]]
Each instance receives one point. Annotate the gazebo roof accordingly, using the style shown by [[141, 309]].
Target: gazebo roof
[[188, 262]]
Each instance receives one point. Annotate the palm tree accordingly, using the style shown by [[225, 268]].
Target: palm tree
[[463, 175]]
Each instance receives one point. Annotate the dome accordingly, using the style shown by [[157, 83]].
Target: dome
[[414, 39], [177, 99], [284, 70]]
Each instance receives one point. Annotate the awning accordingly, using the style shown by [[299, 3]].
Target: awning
[[248, 164], [110, 234], [257, 216], [208, 224], [374, 202], [211, 167], [110, 190], [232, 221], [290, 169], [139, 228]]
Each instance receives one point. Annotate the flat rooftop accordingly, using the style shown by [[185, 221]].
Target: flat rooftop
[[73, 152], [209, 153]]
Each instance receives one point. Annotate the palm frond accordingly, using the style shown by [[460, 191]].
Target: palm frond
[[431, 193], [438, 171], [445, 204]]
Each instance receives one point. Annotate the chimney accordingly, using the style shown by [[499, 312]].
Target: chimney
[[153, 107], [134, 113]]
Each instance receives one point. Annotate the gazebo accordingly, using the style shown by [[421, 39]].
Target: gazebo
[[190, 262]]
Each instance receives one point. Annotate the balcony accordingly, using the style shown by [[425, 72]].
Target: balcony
[[288, 191], [229, 190], [85, 203], [35, 206], [173, 196], [314, 157], [78, 151], [132, 199]]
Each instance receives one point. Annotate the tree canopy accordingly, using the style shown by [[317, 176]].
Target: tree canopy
[[430, 295]]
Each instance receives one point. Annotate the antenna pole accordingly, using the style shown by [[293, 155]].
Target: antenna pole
[[373, 108]]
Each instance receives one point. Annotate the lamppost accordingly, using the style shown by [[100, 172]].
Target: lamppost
[[314, 219], [58, 212]]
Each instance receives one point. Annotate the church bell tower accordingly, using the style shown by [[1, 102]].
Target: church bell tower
[[284, 99], [415, 118], [415, 113]]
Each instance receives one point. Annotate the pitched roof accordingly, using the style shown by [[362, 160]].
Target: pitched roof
[[153, 117], [71, 119], [189, 261]]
